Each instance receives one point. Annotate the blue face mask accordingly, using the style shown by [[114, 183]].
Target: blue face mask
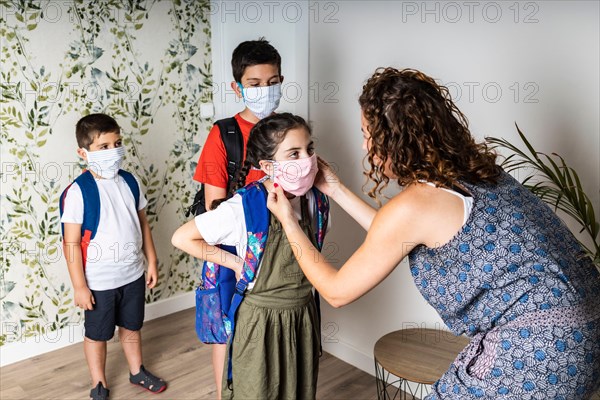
[[261, 100]]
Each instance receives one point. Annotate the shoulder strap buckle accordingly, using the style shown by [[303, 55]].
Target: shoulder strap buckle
[[241, 286]]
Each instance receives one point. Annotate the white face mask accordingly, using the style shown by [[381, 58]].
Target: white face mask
[[105, 163], [261, 100]]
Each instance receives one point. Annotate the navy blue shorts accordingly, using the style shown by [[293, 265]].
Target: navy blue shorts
[[123, 306]]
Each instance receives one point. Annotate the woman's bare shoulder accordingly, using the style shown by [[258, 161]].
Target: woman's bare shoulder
[[432, 215]]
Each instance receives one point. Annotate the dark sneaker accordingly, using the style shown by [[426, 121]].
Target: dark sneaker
[[148, 381], [99, 392]]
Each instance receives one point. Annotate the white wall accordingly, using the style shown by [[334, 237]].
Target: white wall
[[284, 24], [533, 63]]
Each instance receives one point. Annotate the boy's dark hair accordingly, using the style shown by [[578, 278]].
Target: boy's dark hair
[[93, 125], [253, 52]]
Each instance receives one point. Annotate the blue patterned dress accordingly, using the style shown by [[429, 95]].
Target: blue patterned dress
[[516, 281]]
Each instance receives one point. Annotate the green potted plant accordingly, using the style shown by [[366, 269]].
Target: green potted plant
[[557, 184]]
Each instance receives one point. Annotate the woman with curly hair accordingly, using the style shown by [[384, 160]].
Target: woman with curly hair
[[494, 261]]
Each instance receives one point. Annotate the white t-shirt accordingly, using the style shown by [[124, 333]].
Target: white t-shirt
[[115, 257], [227, 225]]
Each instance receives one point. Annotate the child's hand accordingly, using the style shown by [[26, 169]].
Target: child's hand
[[152, 276], [84, 298], [280, 205], [238, 271], [326, 180]]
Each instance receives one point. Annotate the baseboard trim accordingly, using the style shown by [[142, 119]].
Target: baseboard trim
[[358, 359], [351, 355], [34, 346]]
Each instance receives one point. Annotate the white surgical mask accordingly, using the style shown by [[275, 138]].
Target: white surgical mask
[[105, 163], [261, 100]]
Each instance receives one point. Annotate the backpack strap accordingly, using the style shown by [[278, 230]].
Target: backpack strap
[[133, 185], [322, 213], [257, 216], [233, 140], [231, 134], [91, 210], [91, 205]]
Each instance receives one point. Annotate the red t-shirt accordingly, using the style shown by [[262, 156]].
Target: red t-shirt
[[212, 165]]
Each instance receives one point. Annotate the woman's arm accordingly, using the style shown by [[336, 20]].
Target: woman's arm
[[356, 207], [328, 183], [388, 241], [418, 215], [188, 239]]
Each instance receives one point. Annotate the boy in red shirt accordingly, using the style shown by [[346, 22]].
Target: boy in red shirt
[[257, 77]]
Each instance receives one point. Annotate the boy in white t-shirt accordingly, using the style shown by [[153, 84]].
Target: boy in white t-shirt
[[107, 262]]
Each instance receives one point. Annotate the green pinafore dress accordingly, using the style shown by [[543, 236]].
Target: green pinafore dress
[[276, 343]]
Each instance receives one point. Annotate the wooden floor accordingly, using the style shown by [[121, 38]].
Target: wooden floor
[[172, 351]]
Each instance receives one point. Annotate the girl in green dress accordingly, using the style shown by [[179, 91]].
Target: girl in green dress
[[275, 348]]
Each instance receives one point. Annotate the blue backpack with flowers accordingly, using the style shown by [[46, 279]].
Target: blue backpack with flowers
[[219, 297]]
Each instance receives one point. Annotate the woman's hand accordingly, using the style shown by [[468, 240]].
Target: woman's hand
[[280, 205], [329, 183], [326, 181]]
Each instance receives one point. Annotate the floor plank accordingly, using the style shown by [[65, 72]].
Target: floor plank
[[172, 351]]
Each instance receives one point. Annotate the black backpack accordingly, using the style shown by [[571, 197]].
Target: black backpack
[[232, 138]]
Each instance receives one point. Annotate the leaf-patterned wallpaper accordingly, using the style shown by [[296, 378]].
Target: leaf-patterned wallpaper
[[145, 62]]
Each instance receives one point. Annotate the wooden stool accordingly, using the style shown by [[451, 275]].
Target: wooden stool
[[417, 355]]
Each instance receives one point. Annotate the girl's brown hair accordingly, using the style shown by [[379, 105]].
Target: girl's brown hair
[[265, 137], [414, 124]]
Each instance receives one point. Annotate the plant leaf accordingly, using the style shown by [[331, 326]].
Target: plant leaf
[[555, 183]]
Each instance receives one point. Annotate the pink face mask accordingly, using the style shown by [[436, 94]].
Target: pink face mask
[[295, 176]]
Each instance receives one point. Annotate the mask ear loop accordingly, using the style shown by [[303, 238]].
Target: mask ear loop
[[241, 89], [90, 164], [274, 164], [270, 176]]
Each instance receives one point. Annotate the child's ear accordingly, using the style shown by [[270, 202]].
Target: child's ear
[[266, 167], [81, 153], [236, 89]]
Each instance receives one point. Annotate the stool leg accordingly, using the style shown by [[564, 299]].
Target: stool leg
[[381, 382]]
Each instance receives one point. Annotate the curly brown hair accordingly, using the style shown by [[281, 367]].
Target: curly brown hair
[[413, 122]]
